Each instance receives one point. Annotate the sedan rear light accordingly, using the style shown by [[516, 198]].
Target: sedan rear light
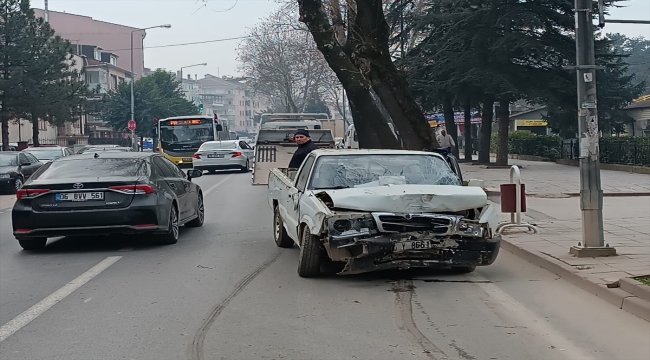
[[196, 156], [133, 189], [236, 153], [30, 193]]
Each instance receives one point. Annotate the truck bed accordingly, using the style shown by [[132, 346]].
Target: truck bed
[[268, 157]]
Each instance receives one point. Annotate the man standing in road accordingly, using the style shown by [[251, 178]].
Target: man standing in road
[[305, 146], [445, 141]]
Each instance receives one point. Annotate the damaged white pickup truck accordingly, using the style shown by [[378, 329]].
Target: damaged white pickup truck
[[380, 209]]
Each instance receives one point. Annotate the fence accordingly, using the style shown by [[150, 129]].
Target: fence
[[632, 151], [62, 141], [109, 141]]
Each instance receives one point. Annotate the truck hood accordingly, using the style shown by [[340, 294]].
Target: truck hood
[[409, 198]]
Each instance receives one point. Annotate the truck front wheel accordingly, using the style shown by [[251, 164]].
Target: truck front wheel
[[310, 255]]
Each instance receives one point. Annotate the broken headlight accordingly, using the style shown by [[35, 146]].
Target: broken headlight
[[351, 226], [470, 229]]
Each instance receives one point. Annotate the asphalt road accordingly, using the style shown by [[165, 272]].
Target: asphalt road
[[225, 291]]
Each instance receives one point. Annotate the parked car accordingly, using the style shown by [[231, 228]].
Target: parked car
[[370, 210], [223, 155], [15, 168], [107, 193], [83, 149], [102, 149], [45, 154]]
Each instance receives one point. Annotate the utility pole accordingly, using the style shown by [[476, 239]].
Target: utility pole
[[47, 12], [591, 193]]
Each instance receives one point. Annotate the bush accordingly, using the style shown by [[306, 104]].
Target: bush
[[519, 134]]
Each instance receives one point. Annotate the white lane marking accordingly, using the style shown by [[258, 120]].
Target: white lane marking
[[213, 187], [35, 311], [535, 323]]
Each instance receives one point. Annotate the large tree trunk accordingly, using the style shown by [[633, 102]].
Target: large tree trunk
[[486, 129], [372, 128], [4, 117], [35, 130], [450, 122], [467, 127], [369, 38], [504, 127]]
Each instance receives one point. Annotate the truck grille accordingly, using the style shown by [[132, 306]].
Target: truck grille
[[400, 223]]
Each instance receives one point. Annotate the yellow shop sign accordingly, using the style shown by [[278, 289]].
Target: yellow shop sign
[[531, 123]]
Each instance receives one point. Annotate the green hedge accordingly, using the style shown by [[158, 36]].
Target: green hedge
[[614, 150], [524, 142]]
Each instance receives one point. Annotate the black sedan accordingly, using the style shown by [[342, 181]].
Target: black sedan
[[15, 168], [107, 193]]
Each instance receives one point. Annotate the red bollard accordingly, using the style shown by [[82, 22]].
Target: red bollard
[[508, 198]]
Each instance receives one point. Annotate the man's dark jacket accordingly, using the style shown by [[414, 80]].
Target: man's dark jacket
[[301, 154]]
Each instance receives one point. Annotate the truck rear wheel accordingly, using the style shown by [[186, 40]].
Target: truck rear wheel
[[310, 255], [280, 235]]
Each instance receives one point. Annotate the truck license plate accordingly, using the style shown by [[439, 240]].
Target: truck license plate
[[84, 196], [412, 245]]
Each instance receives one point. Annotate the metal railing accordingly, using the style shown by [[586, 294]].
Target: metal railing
[[612, 151]]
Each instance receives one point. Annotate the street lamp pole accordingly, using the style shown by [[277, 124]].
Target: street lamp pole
[[188, 66], [166, 26]]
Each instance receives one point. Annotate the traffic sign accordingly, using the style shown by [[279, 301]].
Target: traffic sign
[[131, 125]]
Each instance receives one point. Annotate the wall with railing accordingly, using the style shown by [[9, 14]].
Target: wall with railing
[[613, 150]]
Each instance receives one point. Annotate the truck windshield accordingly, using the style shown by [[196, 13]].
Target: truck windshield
[[346, 171]]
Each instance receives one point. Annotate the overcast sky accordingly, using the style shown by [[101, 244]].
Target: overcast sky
[[204, 20]]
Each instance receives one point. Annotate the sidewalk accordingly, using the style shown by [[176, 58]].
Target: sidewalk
[[626, 228], [547, 179]]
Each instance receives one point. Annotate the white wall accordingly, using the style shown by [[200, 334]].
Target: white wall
[[23, 131]]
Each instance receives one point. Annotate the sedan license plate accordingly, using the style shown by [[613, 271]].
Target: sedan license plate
[[215, 156], [84, 196], [412, 245]]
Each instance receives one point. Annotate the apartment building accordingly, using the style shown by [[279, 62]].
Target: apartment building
[[114, 38], [229, 98]]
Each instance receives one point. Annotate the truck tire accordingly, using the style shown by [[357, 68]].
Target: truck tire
[[280, 235], [309, 260]]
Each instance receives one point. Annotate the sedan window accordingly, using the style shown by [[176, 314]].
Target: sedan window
[[8, 160], [67, 169]]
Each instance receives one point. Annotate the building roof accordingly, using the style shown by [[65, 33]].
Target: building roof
[[640, 103], [84, 16], [211, 80], [528, 111]]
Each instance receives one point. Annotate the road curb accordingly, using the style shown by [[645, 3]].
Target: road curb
[[615, 296], [497, 192]]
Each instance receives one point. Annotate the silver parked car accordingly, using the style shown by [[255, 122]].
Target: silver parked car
[[223, 155], [47, 153]]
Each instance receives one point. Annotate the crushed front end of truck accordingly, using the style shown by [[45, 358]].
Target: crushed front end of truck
[[370, 241]]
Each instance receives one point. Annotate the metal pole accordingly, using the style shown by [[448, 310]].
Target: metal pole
[[132, 94], [591, 194], [47, 12]]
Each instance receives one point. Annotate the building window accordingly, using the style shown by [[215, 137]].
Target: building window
[[248, 113], [113, 82], [92, 77], [113, 60]]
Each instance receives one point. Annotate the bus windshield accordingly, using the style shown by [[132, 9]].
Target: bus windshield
[[186, 131]]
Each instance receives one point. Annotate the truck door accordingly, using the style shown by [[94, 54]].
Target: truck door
[[292, 206]]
